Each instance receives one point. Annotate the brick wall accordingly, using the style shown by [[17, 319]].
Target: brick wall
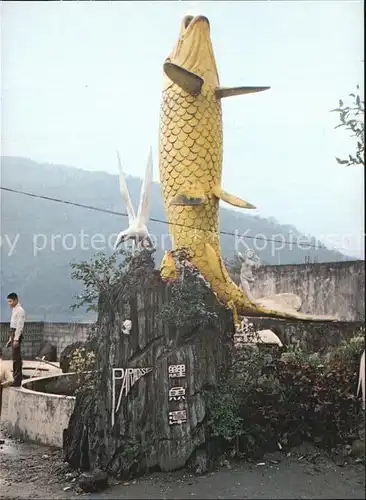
[[32, 339], [37, 333]]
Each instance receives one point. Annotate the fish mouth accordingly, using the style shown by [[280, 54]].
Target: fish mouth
[[190, 21], [193, 50], [187, 21]]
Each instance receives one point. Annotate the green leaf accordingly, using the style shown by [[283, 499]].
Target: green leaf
[[341, 162]]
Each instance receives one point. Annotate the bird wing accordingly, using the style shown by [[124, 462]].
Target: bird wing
[[125, 193], [144, 206]]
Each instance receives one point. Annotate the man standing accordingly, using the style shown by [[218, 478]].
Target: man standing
[[16, 335]]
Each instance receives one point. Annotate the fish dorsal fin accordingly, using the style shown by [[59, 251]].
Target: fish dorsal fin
[[124, 192], [186, 80], [222, 92], [231, 199]]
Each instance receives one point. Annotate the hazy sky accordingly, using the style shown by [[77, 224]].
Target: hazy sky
[[81, 79]]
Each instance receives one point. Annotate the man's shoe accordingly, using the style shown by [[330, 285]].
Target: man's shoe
[[16, 384]]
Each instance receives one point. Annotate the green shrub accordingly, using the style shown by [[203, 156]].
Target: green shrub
[[268, 399], [191, 304], [83, 363]]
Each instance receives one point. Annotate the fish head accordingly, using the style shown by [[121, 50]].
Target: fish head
[[193, 50]]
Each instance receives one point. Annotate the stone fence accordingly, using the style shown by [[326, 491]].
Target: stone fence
[[331, 288], [37, 333]]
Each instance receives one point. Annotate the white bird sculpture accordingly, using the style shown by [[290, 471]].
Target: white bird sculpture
[[137, 229]]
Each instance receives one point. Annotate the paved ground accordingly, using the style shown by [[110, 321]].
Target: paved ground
[[31, 471]]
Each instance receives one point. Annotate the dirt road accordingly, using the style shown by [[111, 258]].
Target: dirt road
[[31, 471]]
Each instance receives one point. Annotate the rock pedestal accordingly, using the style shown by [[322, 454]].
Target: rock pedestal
[[153, 418]]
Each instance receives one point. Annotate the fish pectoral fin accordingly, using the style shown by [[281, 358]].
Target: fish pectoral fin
[[186, 80], [222, 92], [231, 199], [214, 262], [194, 197]]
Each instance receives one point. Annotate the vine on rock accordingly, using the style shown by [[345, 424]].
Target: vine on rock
[[191, 305]]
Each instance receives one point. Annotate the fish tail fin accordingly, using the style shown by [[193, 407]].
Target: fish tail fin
[[243, 305], [260, 310]]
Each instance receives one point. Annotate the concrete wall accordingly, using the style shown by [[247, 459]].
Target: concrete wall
[[63, 334], [36, 333], [36, 416], [335, 288]]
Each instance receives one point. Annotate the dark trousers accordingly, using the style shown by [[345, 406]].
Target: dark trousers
[[17, 360]]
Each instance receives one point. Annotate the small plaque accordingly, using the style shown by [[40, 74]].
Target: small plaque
[[177, 394], [177, 417], [177, 371]]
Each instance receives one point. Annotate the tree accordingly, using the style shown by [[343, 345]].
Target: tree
[[97, 276], [352, 119], [101, 274]]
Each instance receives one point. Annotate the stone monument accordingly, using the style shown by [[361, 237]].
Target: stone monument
[[146, 409]]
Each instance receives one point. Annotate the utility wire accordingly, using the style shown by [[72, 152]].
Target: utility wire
[[105, 210]]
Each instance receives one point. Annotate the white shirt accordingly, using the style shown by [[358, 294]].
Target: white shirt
[[17, 320]]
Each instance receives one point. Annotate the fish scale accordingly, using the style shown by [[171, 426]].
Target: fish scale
[[190, 151], [195, 158]]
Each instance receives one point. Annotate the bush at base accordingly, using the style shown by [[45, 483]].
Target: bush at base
[[268, 400]]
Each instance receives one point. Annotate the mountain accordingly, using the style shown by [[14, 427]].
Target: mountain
[[40, 238]]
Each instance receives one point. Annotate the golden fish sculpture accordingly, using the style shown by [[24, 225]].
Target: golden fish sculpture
[[190, 165]]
